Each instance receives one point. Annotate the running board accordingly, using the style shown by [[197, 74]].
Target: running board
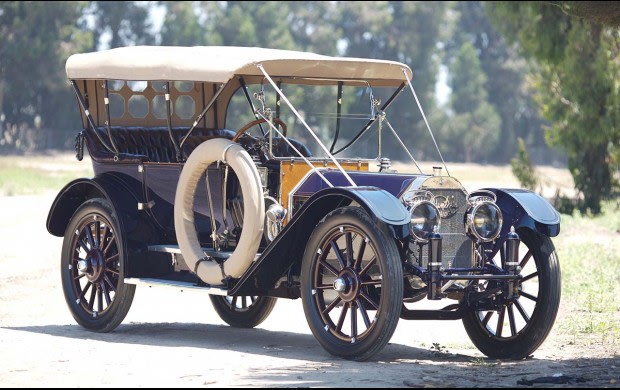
[[212, 290], [176, 250]]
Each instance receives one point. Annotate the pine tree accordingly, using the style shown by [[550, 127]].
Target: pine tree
[[522, 168], [577, 88], [475, 125]]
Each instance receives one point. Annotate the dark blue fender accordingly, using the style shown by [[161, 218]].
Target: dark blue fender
[[124, 193], [123, 198], [522, 208], [288, 247], [525, 209]]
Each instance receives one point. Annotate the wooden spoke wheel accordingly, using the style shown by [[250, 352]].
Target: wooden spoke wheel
[[352, 284], [243, 311], [523, 322], [92, 268]]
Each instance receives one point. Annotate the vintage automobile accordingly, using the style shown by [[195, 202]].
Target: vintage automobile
[[192, 192]]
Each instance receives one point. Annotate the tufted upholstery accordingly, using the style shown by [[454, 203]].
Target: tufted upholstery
[[139, 144], [148, 143]]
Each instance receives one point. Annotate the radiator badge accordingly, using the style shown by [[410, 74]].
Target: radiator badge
[[447, 205]]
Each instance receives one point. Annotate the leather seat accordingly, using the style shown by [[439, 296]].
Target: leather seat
[[153, 144], [148, 143]]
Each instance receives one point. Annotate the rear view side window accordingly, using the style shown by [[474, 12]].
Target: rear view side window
[[139, 103]]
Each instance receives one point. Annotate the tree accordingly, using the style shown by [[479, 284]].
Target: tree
[[181, 26], [32, 59], [314, 26], [241, 23], [522, 168], [603, 12], [506, 79], [475, 124], [401, 31], [332, 28], [577, 88], [125, 21], [36, 38]]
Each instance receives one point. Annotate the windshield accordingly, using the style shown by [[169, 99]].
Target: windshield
[[336, 125]]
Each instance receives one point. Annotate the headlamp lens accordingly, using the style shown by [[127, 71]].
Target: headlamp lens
[[486, 221], [424, 218]]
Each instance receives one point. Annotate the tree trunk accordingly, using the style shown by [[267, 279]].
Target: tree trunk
[[467, 153], [1, 110]]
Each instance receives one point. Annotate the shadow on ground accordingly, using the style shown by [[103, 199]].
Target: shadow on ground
[[283, 344], [396, 365]]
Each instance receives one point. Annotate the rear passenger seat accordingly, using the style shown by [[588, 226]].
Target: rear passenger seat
[[148, 143], [153, 144]]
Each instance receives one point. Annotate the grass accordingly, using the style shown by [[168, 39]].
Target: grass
[[30, 175], [589, 252], [609, 217], [484, 362]]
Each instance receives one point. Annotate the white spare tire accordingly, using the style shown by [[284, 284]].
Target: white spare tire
[[253, 210]]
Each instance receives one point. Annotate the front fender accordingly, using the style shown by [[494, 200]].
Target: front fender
[[288, 247], [379, 204], [522, 208]]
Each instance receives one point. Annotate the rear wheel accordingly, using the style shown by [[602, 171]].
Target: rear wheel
[[523, 322], [351, 284], [243, 311], [93, 268]]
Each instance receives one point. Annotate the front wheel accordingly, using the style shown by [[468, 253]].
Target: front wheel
[[351, 284], [243, 311], [93, 268], [522, 323]]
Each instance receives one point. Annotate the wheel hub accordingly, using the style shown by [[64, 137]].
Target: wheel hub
[[348, 285], [82, 266], [93, 266], [340, 285]]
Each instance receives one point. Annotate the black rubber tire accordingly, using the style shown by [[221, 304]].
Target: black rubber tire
[[249, 317], [116, 310], [533, 333], [390, 294]]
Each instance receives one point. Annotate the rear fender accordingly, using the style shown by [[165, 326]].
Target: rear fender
[[123, 201], [288, 247]]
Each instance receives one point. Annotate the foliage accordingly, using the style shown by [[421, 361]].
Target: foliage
[[484, 127], [181, 26], [370, 29], [577, 88], [523, 169], [506, 82], [603, 12], [474, 126], [314, 27], [403, 31], [125, 21], [36, 38], [564, 204], [594, 294], [241, 23], [32, 81]]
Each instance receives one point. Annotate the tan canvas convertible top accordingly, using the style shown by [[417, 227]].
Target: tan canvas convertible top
[[218, 64]]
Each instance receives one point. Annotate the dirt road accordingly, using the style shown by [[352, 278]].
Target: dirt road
[[173, 338]]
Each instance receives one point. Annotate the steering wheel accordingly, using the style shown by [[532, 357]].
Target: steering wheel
[[245, 128]]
